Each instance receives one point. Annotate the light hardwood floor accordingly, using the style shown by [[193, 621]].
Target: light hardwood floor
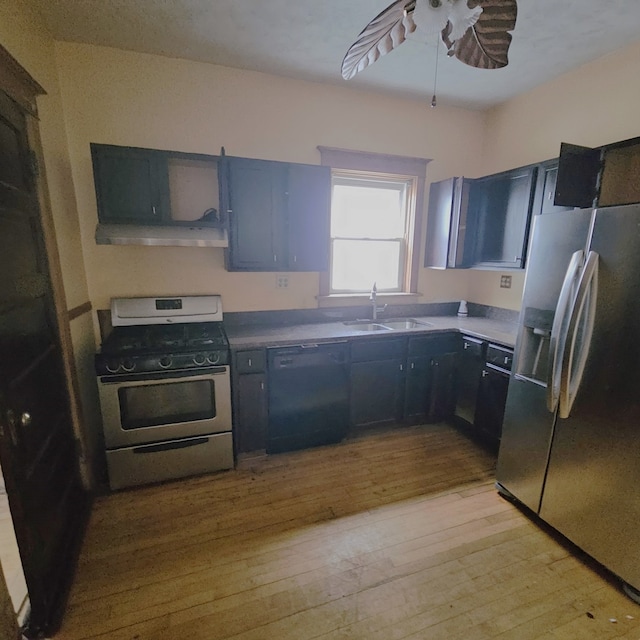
[[396, 535]]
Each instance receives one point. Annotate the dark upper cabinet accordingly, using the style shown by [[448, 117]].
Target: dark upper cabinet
[[577, 181], [500, 209], [255, 192], [132, 185], [278, 215], [308, 206], [150, 187], [604, 176], [545, 191], [480, 222], [447, 241]]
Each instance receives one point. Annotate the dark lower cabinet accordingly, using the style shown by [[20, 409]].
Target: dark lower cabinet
[[430, 379], [492, 398], [482, 385], [376, 381], [252, 412], [443, 390], [418, 395], [470, 366], [250, 400], [376, 392]]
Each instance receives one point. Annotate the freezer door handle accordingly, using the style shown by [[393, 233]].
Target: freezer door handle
[[560, 328], [581, 325]]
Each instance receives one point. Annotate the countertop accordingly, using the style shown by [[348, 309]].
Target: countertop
[[260, 336]]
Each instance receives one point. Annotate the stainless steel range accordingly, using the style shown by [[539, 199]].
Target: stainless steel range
[[164, 385]]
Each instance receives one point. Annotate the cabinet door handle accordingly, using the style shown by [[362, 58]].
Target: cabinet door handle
[[275, 258], [413, 365], [465, 346], [262, 386], [250, 362], [153, 210], [401, 367], [295, 258], [485, 373]]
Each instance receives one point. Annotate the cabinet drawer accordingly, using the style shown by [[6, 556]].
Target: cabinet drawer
[[433, 345], [377, 350], [472, 346], [251, 361], [500, 356]]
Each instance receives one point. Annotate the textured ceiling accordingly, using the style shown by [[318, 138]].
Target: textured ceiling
[[308, 39]]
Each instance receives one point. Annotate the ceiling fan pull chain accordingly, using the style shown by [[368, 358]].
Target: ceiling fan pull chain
[[435, 78]]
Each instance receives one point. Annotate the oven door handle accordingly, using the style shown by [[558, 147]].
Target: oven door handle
[[170, 446], [164, 375]]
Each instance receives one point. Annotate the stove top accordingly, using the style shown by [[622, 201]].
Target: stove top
[[165, 338], [145, 349]]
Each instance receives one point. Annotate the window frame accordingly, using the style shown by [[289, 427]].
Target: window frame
[[390, 165], [405, 241]]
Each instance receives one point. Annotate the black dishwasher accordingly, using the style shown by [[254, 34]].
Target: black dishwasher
[[308, 396]]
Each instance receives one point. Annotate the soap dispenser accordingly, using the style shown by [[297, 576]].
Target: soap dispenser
[[463, 312]]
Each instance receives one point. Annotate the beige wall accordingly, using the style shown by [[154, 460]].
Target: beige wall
[[125, 98], [593, 105]]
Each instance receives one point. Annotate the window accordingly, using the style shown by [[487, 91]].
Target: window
[[376, 220], [371, 216]]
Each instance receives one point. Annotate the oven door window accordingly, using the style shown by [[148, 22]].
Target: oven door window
[[167, 403]]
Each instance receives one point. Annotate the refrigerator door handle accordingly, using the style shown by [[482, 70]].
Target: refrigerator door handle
[[559, 329], [571, 374]]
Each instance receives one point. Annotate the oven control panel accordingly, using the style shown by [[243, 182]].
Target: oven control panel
[[111, 365]]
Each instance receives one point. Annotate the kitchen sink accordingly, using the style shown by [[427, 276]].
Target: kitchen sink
[[388, 325], [366, 325], [405, 323]]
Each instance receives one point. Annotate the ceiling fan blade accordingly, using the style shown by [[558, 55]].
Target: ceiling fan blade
[[485, 45], [383, 34]]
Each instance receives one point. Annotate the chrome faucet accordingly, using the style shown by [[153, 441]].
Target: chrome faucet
[[373, 298]]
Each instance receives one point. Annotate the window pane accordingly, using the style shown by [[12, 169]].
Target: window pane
[[357, 264], [368, 212]]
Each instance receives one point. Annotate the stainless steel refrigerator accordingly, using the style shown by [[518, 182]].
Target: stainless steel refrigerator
[[570, 448]]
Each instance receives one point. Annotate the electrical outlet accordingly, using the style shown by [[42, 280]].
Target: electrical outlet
[[505, 282], [282, 282]]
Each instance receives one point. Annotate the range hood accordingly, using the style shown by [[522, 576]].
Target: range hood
[[175, 236]]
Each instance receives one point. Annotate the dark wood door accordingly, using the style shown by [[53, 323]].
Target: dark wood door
[[132, 185], [37, 447], [308, 217]]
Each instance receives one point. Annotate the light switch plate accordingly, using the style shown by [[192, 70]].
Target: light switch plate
[[505, 282]]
